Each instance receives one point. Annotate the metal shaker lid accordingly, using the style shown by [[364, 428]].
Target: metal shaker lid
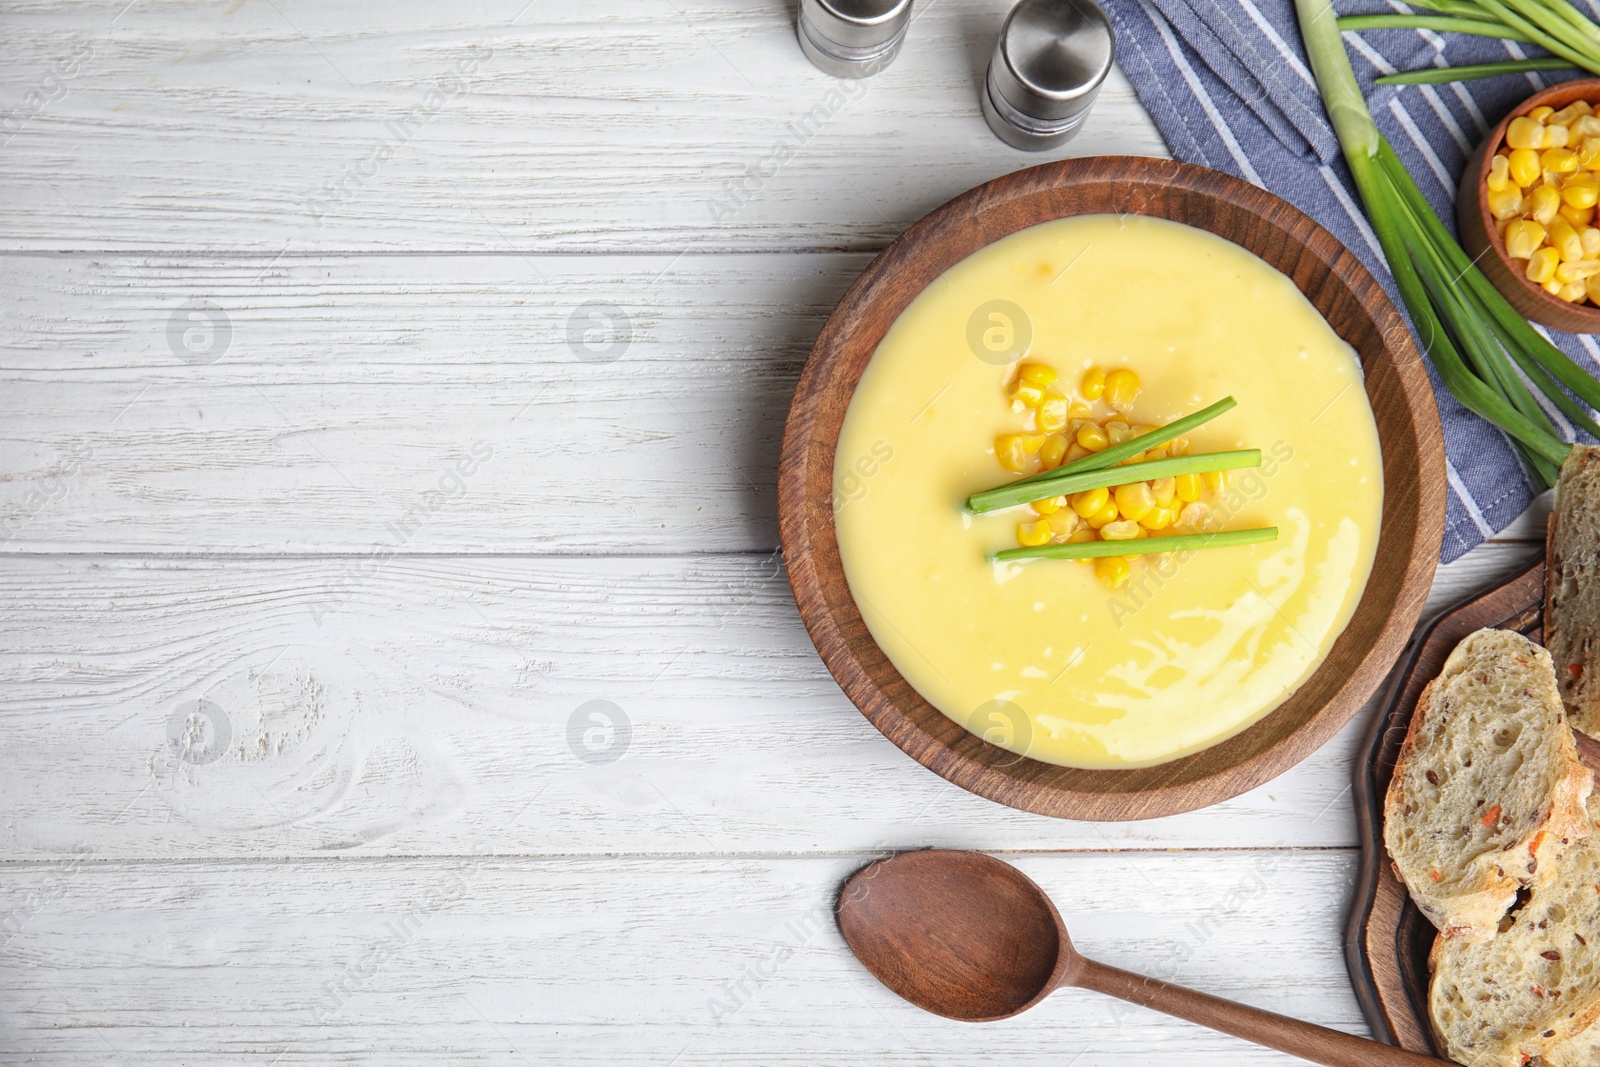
[[852, 38], [1048, 66]]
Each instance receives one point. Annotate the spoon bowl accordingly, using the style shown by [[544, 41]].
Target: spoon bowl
[[966, 936], [959, 934]]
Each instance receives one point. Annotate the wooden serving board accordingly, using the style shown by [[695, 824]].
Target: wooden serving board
[[1387, 939]]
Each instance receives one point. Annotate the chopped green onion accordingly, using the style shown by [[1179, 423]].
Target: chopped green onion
[[1107, 457], [1440, 75], [1139, 546], [1059, 484]]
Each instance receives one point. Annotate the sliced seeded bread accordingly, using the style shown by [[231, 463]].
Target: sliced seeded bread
[[1487, 790], [1580, 1051], [1572, 587], [1532, 992]]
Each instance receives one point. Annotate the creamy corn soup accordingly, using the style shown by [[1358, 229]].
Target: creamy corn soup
[[1093, 664]]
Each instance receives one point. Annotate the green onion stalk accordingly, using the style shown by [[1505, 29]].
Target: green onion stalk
[[1557, 26], [1475, 339]]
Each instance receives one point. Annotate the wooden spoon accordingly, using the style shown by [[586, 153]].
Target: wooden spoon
[[968, 937]]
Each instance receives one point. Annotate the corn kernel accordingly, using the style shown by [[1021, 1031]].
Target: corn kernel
[[1589, 151], [1572, 292], [1063, 524], [1112, 570], [1159, 518], [1033, 534], [1590, 236], [1552, 286], [1092, 437], [1214, 481], [1577, 271], [1179, 446], [1525, 132], [1523, 238], [1054, 450], [1079, 410], [1558, 160], [1052, 414], [1134, 500], [1122, 386], [1118, 431], [1158, 452], [1104, 517], [1194, 514], [1075, 451], [1187, 487], [1566, 116], [1090, 501], [1581, 190], [1037, 373], [1499, 174], [1556, 135], [1506, 204], [1565, 240], [1577, 217], [1009, 451], [1093, 385], [1165, 490], [1586, 126], [1542, 265], [1048, 505], [1544, 202], [1592, 287], [1523, 164], [1121, 530], [1026, 393]]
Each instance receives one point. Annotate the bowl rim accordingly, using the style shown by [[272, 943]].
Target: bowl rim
[[1414, 486], [1550, 310]]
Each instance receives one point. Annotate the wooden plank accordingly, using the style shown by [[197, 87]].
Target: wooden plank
[[619, 960], [490, 126], [412, 705], [332, 393]]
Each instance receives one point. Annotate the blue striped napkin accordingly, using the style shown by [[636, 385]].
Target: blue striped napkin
[[1228, 85]]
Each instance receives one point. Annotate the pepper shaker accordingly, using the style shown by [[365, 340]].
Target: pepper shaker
[[1047, 69], [852, 38]]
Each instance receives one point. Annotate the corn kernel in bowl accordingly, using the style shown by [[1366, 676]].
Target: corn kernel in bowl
[[1543, 189]]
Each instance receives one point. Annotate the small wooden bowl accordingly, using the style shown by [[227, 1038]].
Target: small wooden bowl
[[1478, 232], [1397, 387]]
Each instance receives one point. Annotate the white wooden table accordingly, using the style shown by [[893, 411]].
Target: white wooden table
[[381, 385]]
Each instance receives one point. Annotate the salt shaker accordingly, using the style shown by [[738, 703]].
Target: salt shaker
[[1046, 70], [852, 38]]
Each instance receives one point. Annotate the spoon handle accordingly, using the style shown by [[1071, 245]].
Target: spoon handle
[[1306, 1040]]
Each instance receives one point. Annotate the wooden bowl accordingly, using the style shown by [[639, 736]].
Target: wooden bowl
[[1478, 233], [1397, 387]]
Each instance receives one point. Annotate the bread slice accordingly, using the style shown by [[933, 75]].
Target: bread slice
[[1572, 587], [1580, 1051], [1487, 790], [1532, 992]]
